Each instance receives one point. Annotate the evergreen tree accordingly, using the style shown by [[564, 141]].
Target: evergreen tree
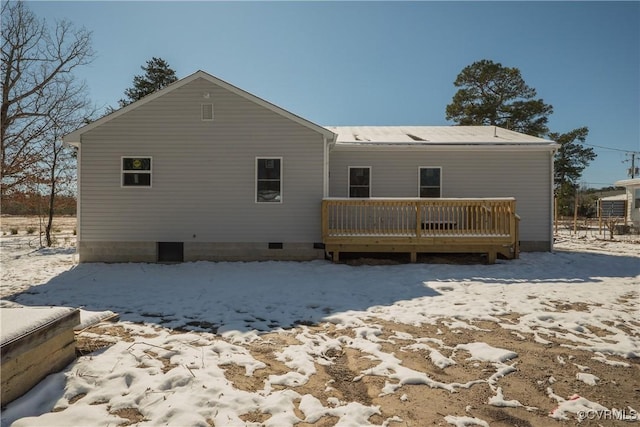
[[157, 75], [491, 94], [570, 161]]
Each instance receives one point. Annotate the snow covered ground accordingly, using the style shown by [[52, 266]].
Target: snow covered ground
[[549, 339]]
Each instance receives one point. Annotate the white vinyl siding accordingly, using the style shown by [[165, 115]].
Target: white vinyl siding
[[524, 175], [204, 181]]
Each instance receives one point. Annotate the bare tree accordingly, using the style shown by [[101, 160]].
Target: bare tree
[[37, 79], [41, 101], [57, 168]]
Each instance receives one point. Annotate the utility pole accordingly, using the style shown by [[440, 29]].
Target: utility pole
[[633, 170]]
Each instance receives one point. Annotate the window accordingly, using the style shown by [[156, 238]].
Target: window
[[637, 198], [269, 180], [360, 181], [136, 171], [430, 181], [207, 112]]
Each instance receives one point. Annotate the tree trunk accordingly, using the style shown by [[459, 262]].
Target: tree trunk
[[52, 196]]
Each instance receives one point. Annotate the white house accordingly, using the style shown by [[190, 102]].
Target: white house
[[204, 170], [632, 187]]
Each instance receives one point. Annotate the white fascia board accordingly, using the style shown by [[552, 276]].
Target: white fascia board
[[74, 138]]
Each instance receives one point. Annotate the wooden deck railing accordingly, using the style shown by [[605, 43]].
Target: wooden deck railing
[[420, 225]]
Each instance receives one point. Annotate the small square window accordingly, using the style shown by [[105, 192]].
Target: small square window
[[136, 171]]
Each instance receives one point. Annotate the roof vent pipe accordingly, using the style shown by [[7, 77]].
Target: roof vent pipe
[[495, 131]]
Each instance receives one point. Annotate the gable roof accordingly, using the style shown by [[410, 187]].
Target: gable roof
[[74, 138], [369, 136]]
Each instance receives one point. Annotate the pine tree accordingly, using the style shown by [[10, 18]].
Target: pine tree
[[157, 75], [491, 94], [570, 161]]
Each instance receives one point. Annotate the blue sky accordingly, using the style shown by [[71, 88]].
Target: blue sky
[[383, 63]]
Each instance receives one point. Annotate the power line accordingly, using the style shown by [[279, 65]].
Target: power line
[[609, 148], [610, 184]]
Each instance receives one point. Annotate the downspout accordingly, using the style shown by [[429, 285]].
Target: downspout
[[325, 175], [78, 202], [552, 201]]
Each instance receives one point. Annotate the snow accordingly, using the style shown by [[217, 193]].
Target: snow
[[465, 421], [189, 323], [499, 400], [18, 321], [588, 379], [575, 404], [486, 353]]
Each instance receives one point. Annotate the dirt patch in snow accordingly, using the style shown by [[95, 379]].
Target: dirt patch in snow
[[350, 377]]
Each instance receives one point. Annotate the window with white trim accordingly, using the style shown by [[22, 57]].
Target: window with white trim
[[430, 182], [136, 171], [360, 181], [269, 180]]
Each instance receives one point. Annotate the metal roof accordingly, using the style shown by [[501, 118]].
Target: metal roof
[[432, 135]]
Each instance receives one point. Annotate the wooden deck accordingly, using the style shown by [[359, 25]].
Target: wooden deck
[[414, 226]]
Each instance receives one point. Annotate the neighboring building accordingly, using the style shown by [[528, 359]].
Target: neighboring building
[[632, 196], [204, 170], [612, 206]]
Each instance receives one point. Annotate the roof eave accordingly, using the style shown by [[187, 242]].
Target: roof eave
[[458, 146]]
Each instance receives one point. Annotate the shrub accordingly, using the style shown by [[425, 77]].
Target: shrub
[[31, 230], [14, 230]]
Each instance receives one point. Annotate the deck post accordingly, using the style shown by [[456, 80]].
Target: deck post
[[418, 206], [514, 228], [325, 220], [414, 257]]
